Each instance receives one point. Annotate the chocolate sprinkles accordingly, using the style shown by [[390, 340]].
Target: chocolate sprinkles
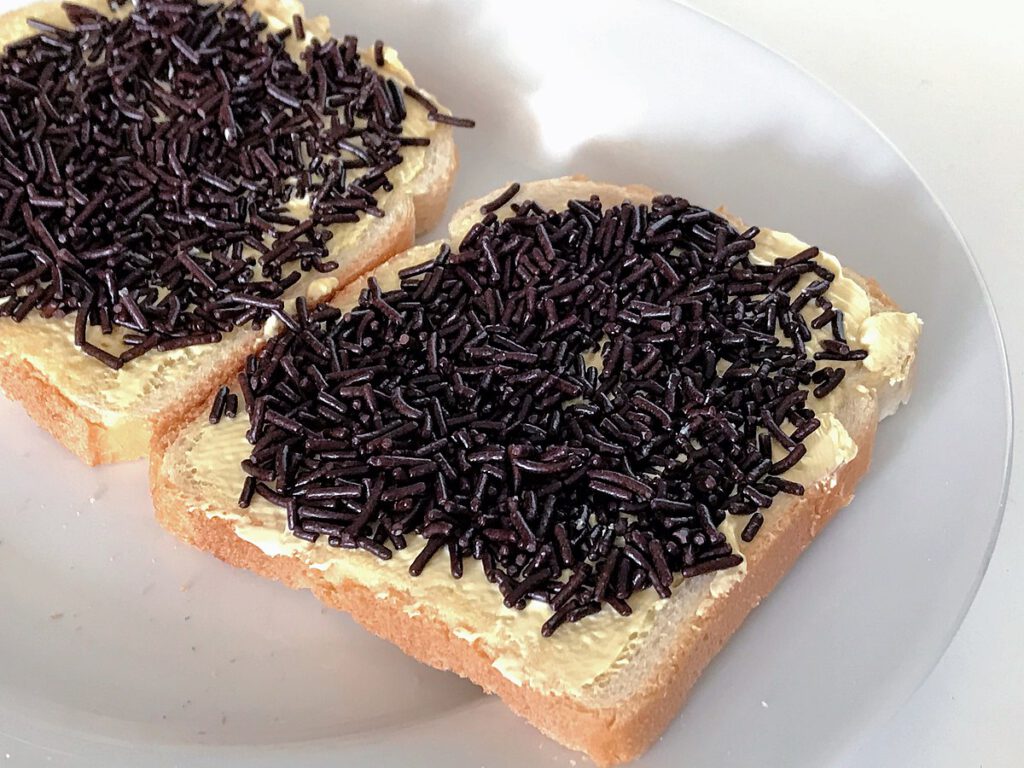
[[458, 122], [501, 200], [466, 409], [219, 404], [147, 164], [433, 113], [752, 527]]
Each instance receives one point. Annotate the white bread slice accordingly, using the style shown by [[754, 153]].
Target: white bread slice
[[107, 416], [607, 686]]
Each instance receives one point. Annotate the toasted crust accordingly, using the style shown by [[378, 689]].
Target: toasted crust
[[431, 198], [82, 431], [607, 734], [88, 440], [22, 383]]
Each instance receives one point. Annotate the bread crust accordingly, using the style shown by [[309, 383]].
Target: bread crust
[[607, 734], [21, 382]]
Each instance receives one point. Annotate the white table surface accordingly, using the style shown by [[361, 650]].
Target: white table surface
[[945, 82]]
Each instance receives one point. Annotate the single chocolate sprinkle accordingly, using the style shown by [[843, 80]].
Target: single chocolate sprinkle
[[102, 355], [219, 402], [461, 406], [752, 527], [805, 429], [710, 566], [790, 460], [248, 489], [422, 100], [147, 161], [501, 200], [834, 377], [458, 122]]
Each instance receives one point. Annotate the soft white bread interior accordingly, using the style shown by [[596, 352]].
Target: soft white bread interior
[[607, 685], [105, 416]]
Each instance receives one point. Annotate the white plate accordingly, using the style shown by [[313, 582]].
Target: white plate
[[118, 645]]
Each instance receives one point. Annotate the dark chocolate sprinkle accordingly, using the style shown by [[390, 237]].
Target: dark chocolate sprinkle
[[460, 405], [790, 459], [752, 527], [219, 403], [832, 380], [248, 489], [415, 95], [458, 122], [501, 200]]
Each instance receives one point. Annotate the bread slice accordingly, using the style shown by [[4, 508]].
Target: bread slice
[[106, 416], [608, 685]]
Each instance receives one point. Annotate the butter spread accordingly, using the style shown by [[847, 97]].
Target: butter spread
[[117, 399], [891, 337], [581, 658]]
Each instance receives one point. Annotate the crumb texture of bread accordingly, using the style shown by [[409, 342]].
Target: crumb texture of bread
[[605, 686], [106, 416]]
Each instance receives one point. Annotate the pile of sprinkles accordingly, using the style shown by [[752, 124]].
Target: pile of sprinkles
[[467, 414], [146, 162]]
